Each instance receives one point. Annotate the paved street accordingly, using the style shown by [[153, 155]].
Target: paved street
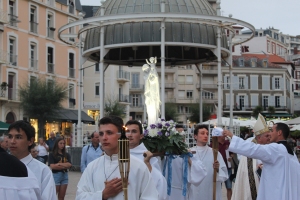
[[74, 178]]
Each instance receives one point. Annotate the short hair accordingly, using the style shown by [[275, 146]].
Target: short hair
[[179, 126], [200, 127], [115, 120], [32, 146], [92, 135], [26, 127], [132, 122], [284, 128]]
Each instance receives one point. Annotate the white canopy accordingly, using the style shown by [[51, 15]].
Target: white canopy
[[294, 121], [295, 127], [226, 120]]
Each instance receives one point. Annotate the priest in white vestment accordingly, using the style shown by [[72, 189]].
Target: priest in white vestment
[[204, 191], [247, 180], [101, 179], [134, 133], [280, 177]]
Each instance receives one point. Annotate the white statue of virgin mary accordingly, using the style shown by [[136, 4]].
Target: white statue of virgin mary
[[152, 97]]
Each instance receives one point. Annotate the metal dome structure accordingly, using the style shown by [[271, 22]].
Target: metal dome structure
[[175, 31], [132, 42]]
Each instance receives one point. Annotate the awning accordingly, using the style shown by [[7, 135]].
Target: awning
[[4, 126], [72, 115], [277, 115]]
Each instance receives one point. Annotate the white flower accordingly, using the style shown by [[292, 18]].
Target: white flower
[[153, 132], [163, 123], [182, 133], [158, 120]]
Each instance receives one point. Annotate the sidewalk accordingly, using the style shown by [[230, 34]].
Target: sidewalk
[[74, 179]]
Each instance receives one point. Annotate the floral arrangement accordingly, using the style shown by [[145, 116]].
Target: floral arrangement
[[162, 137]]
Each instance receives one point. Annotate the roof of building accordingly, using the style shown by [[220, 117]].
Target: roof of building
[[90, 10], [77, 3]]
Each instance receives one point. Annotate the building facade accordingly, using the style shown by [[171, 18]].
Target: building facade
[[30, 48]]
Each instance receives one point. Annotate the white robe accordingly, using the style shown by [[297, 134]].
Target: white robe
[[44, 176], [241, 189], [204, 191], [20, 188], [280, 178], [157, 177], [91, 184]]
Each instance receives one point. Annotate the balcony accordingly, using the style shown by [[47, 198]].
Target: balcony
[[12, 94], [71, 73], [50, 32], [3, 57], [136, 108], [185, 83], [123, 98], [170, 85], [123, 76], [13, 20], [13, 59], [209, 70], [3, 17], [71, 9], [241, 87], [136, 87], [207, 86], [186, 100], [170, 100], [208, 99], [33, 64], [33, 27], [50, 68]]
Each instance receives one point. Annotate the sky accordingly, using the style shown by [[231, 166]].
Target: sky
[[280, 14]]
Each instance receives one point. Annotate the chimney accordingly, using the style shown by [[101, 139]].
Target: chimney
[[295, 51]]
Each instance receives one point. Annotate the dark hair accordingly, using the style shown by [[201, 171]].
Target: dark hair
[[200, 127], [284, 128], [55, 148], [115, 120], [131, 122], [26, 127], [179, 126], [32, 146], [92, 135]]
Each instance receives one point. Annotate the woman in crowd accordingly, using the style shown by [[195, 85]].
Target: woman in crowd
[[43, 149], [60, 162]]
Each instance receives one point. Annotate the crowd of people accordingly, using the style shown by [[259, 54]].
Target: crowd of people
[[262, 167]]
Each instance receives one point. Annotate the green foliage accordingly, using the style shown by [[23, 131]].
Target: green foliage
[[171, 111], [271, 110], [41, 100], [295, 134], [113, 107], [195, 110], [257, 110]]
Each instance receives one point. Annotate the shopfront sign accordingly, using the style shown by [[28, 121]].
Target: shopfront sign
[[91, 105]]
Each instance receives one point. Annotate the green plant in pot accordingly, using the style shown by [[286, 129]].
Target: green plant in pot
[[4, 85]]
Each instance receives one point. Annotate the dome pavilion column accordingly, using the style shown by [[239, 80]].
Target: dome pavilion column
[[101, 67], [162, 51]]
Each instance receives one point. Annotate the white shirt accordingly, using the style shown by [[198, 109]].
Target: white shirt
[[43, 175], [157, 177], [280, 178], [42, 150], [20, 188], [106, 168], [205, 188]]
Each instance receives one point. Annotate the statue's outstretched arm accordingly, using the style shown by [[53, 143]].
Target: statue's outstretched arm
[[148, 62]]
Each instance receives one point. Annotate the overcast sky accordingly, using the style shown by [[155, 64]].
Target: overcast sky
[[280, 14]]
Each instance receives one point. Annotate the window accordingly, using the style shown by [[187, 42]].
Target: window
[[227, 82], [12, 92], [207, 95], [241, 83], [13, 19], [71, 65], [253, 62], [265, 101], [33, 20], [189, 67], [71, 31], [97, 67], [189, 79], [181, 79], [189, 94], [180, 109], [241, 62], [71, 96], [187, 109], [50, 2], [135, 100], [12, 51], [273, 49], [135, 80], [269, 47], [50, 24], [50, 59], [277, 101], [71, 6], [97, 89], [242, 101], [277, 86], [33, 57], [181, 94], [265, 63]]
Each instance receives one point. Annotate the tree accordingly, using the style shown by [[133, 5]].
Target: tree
[[171, 111], [195, 110], [42, 100], [257, 110], [113, 107], [271, 110]]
